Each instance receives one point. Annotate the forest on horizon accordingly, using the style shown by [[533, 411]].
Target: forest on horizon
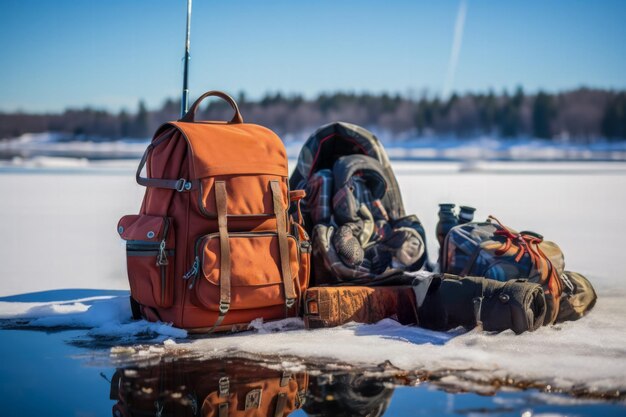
[[582, 115]]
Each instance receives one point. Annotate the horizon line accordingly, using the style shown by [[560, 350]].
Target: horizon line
[[409, 94]]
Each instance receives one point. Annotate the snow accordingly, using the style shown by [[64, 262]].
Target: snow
[[104, 315], [57, 144], [398, 147], [589, 352], [58, 232]]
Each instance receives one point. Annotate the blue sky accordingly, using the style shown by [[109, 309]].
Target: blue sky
[[109, 54]]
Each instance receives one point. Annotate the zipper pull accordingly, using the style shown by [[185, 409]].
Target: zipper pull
[[193, 272], [162, 258]]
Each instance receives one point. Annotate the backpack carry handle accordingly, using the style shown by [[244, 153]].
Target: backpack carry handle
[[191, 114]]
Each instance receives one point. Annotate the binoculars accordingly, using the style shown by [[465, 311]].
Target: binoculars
[[448, 218]]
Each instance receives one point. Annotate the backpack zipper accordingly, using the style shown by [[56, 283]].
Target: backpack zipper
[[195, 268], [162, 258], [193, 272]]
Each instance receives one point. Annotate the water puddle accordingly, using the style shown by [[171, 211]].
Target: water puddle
[[228, 386], [164, 380]]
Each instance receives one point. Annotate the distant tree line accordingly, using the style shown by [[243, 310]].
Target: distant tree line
[[583, 115]]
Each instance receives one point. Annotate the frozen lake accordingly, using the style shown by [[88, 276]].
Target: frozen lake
[[59, 221], [58, 232]]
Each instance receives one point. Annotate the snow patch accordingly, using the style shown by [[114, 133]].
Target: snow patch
[[108, 316], [589, 352], [292, 323]]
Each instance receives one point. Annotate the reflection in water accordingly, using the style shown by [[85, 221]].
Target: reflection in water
[[348, 394], [242, 387], [168, 386]]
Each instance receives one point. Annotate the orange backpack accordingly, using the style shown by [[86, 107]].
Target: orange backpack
[[213, 247]]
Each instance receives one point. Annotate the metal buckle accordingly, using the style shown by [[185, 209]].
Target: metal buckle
[[253, 399], [224, 307], [289, 302], [478, 305], [284, 379], [306, 305], [224, 386], [183, 185]]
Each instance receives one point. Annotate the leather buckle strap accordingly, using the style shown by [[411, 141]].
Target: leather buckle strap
[[283, 245], [179, 185], [220, 202], [222, 410], [284, 379], [281, 403], [470, 262]]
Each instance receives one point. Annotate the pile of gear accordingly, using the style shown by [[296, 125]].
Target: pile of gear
[[487, 274], [225, 236]]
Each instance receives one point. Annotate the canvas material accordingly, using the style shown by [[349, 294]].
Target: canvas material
[[350, 184], [494, 251], [331, 141], [244, 160]]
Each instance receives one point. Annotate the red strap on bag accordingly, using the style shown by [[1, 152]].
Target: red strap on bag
[[295, 196], [529, 243]]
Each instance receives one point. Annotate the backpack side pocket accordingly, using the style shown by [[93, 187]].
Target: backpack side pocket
[[149, 258]]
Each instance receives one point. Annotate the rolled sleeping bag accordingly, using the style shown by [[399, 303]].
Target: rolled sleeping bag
[[454, 301]]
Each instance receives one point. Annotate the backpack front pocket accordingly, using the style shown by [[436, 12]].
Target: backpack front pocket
[[149, 258], [256, 280]]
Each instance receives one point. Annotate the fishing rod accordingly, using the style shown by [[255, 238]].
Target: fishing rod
[[184, 103]]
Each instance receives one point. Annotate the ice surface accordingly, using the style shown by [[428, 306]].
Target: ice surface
[[58, 231], [409, 147], [57, 144], [590, 352]]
